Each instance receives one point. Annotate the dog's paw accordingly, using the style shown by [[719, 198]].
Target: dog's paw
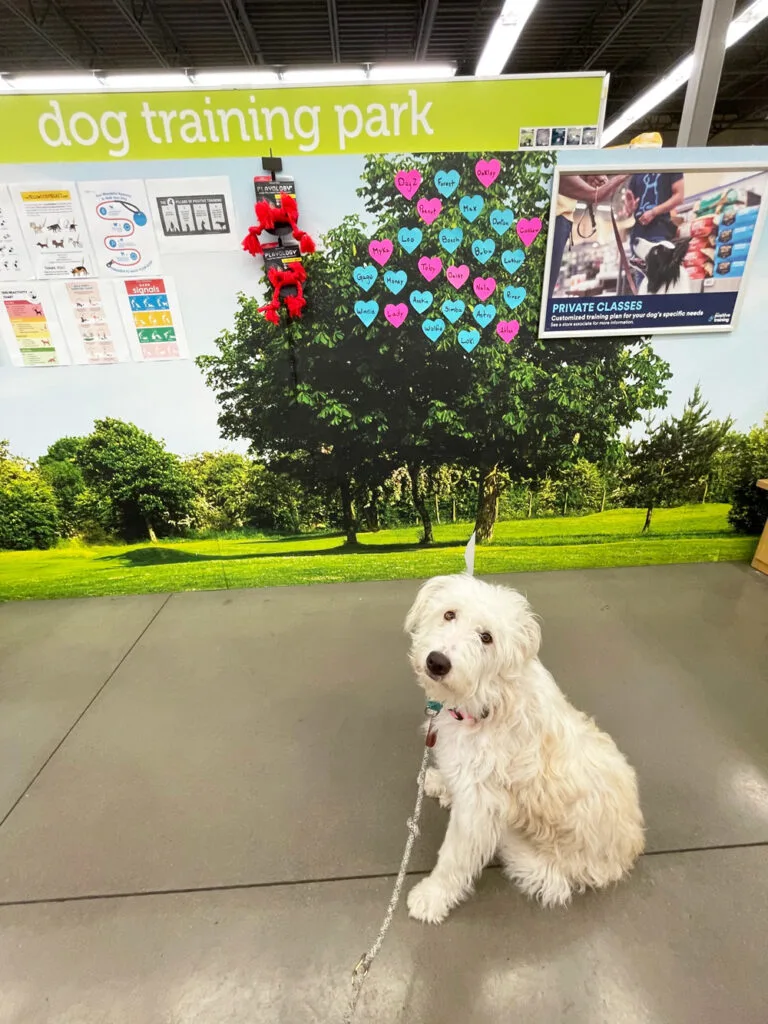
[[428, 902], [436, 788]]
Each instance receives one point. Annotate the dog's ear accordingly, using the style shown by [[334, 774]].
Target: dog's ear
[[426, 594], [530, 635], [681, 248]]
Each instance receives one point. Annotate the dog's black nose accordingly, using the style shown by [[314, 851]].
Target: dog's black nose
[[438, 664]]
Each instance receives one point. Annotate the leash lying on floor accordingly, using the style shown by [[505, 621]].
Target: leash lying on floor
[[360, 973]]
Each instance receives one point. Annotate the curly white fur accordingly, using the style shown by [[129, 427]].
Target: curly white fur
[[535, 781]]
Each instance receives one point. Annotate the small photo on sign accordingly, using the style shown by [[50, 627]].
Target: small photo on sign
[[543, 137], [573, 137], [589, 137], [527, 136], [559, 136]]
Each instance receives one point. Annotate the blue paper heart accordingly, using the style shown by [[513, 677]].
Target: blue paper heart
[[366, 311], [433, 328], [501, 220], [365, 276], [453, 309], [471, 207], [484, 314], [446, 182], [395, 280], [410, 238], [513, 259], [483, 249], [451, 238], [469, 338], [421, 301], [514, 296]]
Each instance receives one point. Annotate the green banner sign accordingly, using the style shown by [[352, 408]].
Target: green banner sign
[[462, 114]]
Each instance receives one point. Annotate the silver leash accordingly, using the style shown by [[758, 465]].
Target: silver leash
[[360, 973]]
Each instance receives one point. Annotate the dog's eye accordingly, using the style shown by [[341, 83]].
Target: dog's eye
[[449, 616], [486, 638]]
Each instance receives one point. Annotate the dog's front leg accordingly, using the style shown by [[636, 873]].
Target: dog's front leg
[[470, 842]]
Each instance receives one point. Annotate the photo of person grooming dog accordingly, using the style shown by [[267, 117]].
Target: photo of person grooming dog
[[661, 250]]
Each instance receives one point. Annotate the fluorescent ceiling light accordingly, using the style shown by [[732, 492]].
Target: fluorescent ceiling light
[[243, 77], [152, 80], [680, 73], [324, 76], [5, 85], [504, 35], [54, 83], [410, 72]]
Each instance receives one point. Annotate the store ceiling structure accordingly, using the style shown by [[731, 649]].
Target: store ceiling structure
[[635, 40]]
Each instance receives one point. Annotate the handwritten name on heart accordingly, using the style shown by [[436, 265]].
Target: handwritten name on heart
[[453, 309], [365, 276], [421, 301], [514, 296], [471, 207], [487, 171], [457, 276], [380, 249], [484, 314], [429, 209], [433, 328], [512, 259], [395, 280], [469, 338], [446, 182], [451, 238], [483, 249], [483, 287], [396, 314], [407, 183], [410, 238], [528, 229], [430, 267], [507, 329], [366, 310], [501, 220]]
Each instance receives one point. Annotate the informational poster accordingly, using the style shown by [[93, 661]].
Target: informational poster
[[29, 326], [91, 321], [151, 315], [194, 214], [661, 250], [53, 226], [15, 264], [119, 222]]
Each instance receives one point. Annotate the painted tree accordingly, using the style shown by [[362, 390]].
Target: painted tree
[[513, 404], [147, 486], [674, 458], [749, 509], [28, 515]]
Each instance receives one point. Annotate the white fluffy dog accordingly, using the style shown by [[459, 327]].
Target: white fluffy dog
[[526, 775]]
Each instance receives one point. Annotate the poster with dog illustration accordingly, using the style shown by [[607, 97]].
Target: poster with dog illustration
[[664, 249]]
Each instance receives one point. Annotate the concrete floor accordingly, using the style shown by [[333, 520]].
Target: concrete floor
[[203, 797]]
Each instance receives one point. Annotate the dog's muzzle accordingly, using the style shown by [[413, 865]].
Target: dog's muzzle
[[438, 665]]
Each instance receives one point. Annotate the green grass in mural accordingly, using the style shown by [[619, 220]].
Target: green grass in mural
[[698, 533]]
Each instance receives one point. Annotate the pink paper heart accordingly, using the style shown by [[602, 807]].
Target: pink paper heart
[[484, 287], [457, 276], [507, 329], [396, 314], [429, 209], [528, 229], [380, 249], [430, 267], [407, 183], [487, 171]]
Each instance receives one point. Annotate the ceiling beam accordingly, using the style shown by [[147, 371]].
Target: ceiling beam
[[237, 31], [629, 15], [333, 30], [426, 24], [249, 30], [148, 13], [30, 19]]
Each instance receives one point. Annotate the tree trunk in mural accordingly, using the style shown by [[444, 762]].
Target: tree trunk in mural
[[348, 511], [371, 512], [420, 503], [150, 531], [648, 517], [487, 505]]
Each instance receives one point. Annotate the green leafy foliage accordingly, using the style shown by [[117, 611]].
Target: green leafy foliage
[[749, 463], [28, 514]]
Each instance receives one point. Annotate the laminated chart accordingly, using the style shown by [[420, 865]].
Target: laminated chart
[[117, 214], [52, 223], [194, 214], [15, 264], [31, 332], [91, 320], [155, 322]]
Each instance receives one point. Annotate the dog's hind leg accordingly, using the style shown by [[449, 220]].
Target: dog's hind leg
[[434, 786], [534, 873], [470, 842]]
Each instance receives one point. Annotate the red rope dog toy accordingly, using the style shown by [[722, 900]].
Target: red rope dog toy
[[272, 218], [293, 276]]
